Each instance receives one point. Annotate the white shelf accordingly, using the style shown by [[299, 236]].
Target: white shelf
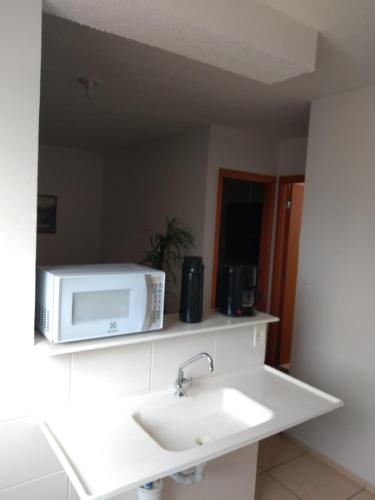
[[173, 327]]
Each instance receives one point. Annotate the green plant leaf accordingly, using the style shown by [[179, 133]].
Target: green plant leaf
[[169, 248]]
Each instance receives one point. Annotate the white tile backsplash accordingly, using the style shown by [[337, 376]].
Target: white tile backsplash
[[235, 349], [24, 453], [52, 382], [167, 355], [30, 382], [123, 370], [108, 373], [28, 467], [52, 487], [16, 384], [72, 495]]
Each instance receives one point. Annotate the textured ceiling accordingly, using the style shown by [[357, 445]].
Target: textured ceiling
[[245, 37], [147, 92]]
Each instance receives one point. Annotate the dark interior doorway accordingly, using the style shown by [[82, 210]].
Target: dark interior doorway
[[243, 227]]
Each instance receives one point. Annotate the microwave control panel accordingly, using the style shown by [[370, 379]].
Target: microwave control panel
[[157, 304]]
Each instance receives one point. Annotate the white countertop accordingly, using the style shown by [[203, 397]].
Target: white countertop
[[105, 452], [173, 327]]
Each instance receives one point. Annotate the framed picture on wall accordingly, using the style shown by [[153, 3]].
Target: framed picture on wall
[[47, 211]]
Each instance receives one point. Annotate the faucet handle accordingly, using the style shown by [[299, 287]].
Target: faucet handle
[[181, 384]]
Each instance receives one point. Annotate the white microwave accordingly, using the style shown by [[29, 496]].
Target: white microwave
[[92, 301]]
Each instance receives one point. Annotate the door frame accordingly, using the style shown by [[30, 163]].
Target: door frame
[[279, 262], [269, 182]]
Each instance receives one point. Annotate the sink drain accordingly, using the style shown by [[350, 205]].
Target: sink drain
[[201, 440]]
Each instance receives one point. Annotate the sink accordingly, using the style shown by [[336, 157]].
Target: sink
[[201, 418]]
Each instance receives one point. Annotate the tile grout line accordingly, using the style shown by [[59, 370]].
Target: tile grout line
[[357, 493], [151, 366], [67, 488], [306, 452], [286, 462], [328, 462], [284, 486], [70, 380], [215, 348], [337, 468], [34, 480], [26, 416]]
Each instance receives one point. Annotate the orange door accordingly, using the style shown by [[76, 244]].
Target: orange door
[[295, 206]]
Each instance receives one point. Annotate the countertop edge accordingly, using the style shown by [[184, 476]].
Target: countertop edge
[[173, 328]]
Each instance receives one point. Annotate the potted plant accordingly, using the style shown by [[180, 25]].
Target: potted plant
[[168, 248]]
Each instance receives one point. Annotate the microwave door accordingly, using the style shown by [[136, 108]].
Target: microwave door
[[111, 305]]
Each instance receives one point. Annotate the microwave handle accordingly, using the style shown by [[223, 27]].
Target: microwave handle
[[148, 282]]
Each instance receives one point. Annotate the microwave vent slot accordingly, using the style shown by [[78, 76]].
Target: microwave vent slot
[[42, 317]]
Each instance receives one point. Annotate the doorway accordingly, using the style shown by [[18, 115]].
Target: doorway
[[243, 234], [284, 282]]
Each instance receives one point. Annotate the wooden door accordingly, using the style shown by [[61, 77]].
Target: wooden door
[[289, 219], [291, 268]]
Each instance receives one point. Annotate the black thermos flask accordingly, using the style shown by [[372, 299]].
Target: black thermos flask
[[191, 306]]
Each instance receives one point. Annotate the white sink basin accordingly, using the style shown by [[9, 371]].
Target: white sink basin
[[182, 424]]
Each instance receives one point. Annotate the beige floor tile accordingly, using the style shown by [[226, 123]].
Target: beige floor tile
[[363, 495], [311, 479], [269, 489], [276, 450]]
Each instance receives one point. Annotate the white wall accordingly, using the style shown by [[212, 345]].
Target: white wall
[[75, 177], [165, 176], [334, 341], [19, 117], [237, 149], [28, 468], [292, 156], [178, 175], [28, 381]]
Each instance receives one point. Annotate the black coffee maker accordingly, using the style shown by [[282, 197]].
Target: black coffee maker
[[238, 292]]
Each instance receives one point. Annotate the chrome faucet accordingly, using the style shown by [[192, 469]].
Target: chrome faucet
[[182, 381]]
